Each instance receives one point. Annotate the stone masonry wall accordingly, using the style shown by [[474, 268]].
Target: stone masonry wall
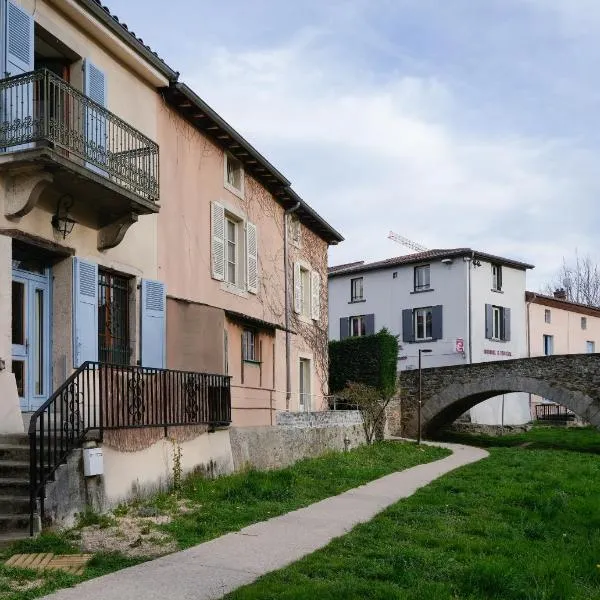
[[329, 418]]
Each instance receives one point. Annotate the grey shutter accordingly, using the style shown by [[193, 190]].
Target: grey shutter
[[344, 328], [408, 333], [251, 258], [297, 288], [506, 331], [489, 322], [95, 118], [217, 218], [153, 324], [437, 326], [369, 324], [85, 312]]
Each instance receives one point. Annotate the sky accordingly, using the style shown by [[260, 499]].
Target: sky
[[451, 122]]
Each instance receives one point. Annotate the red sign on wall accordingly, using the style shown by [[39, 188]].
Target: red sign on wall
[[460, 345]]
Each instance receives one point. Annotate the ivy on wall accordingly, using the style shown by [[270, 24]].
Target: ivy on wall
[[371, 360]]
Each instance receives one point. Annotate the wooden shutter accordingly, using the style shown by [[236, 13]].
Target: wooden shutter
[[408, 326], [217, 219], [85, 312], [315, 290], [95, 119], [251, 258], [437, 325], [297, 288], [344, 328], [19, 40], [153, 324], [489, 321], [506, 319], [369, 324]]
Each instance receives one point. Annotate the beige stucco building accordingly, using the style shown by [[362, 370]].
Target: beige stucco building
[[158, 276], [557, 326]]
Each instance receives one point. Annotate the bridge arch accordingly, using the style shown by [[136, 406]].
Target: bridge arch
[[446, 406]]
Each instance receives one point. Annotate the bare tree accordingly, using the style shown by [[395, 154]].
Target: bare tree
[[371, 403], [580, 281]]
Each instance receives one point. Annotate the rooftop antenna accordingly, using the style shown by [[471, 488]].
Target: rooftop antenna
[[404, 241]]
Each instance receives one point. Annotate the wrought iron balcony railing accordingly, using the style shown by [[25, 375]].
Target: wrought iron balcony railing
[[41, 107]]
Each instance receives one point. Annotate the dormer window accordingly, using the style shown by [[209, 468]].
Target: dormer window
[[234, 175]]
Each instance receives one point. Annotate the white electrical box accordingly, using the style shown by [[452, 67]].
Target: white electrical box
[[93, 462]]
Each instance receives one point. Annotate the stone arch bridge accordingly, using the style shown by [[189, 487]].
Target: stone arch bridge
[[572, 380]]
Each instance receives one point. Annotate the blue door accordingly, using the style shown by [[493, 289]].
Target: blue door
[[31, 336]]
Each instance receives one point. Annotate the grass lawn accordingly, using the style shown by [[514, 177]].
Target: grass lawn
[[523, 524], [214, 507]]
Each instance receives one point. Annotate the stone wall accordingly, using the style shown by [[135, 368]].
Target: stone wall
[[276, 447], [328, 418], [480, 429]]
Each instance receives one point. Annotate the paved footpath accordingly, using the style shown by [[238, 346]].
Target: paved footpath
[[213, 569]]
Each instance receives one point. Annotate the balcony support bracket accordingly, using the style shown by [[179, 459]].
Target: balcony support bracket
[[23, 191], [112, 234]]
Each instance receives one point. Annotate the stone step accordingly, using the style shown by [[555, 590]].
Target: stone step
[[14, 468], [6, 539], [18, 439], [14, 486], [14, 452], [14, 523], [12, 504]]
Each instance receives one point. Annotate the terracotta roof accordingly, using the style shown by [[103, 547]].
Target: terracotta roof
[[562, 304], [425, 256], [102, 12]]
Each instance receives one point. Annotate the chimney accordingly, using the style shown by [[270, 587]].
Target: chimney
[[561, 294]]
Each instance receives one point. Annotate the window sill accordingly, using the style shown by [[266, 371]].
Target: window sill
[[357, 301], [233, 289], [423, 291], [234, 190], [425, 341], [256, 363], [497, 291]]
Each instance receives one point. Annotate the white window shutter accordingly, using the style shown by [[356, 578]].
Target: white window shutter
[[315, 296], [85, 312], [297, 288], [251, 258], [153, 324], [217, 217]]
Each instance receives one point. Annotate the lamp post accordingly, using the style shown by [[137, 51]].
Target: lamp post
[[421, 351]]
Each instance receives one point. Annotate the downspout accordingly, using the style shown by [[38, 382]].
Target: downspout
[[529, 343], [288, 365], [470, 310]]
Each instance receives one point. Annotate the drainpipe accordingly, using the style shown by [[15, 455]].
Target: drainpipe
[[288, 365], [470, 310], [528, 303]]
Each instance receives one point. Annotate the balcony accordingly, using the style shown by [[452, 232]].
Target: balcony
[[54, 140]]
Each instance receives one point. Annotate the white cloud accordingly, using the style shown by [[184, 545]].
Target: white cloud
[[374, 154]]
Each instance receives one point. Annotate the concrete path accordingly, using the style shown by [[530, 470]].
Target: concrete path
[[213, 569]]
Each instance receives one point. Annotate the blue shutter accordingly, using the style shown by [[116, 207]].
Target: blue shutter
[[489, 322], [408, 334], [344, 328], [153, 324], [96, 146], [437, 326], [85, 311], [506, 330], [19, 40]]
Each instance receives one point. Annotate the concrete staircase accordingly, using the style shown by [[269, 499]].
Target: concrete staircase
[[14, 488]]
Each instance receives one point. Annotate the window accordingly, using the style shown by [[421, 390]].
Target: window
[[358, 326], [422, 278], [583, 322], [356, 289], [249, 345], [548, 345], [497, 323], [395, 275], [497, 278], [231, 247], [234, 175], [423, 323], [305, 292], [547, 316], [590, 347], [113, 319], [304, 385]]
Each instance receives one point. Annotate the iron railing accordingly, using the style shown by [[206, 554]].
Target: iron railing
[[39, 106], [553, 412], [101, 396]]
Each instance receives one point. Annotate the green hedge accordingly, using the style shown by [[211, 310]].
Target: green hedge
[[371, 359]]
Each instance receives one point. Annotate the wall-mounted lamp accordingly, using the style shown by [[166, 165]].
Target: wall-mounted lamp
[[61, 220], [447, 261]]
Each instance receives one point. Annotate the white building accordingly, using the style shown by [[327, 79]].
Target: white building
[[466, 306]]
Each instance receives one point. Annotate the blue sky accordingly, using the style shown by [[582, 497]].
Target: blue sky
[[454, 123]]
